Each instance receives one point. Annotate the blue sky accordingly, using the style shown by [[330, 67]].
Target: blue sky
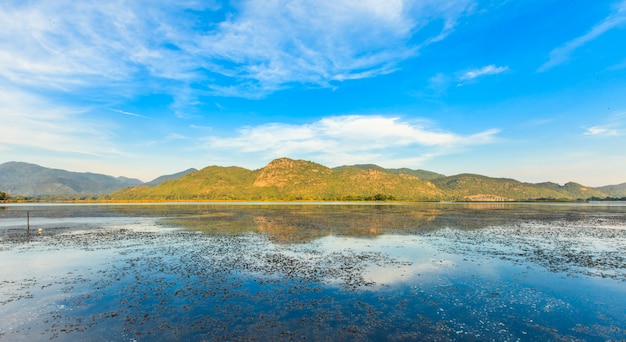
[[531, 90]]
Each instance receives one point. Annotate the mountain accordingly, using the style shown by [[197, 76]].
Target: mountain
[[287, 179], [30, 180], [421, 174], [128, 181], [615, 191], [212, 182], [164, 178], [471, 187]]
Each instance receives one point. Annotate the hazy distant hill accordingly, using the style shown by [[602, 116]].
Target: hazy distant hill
[[164, 178], [615, 191], [30, 180], [287, 179], [421, 174]]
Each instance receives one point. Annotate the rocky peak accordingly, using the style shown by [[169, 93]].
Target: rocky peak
[[283, 171]]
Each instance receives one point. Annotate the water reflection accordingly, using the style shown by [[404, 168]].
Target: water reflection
[[316, 272], [299, 224], [303, 223]]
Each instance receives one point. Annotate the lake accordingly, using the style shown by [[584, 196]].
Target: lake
[[314, 271]]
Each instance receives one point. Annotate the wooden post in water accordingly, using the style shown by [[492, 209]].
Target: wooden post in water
[[27, 226]]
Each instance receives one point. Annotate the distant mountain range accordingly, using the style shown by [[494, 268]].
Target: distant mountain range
[[287, 179], [30, 180]]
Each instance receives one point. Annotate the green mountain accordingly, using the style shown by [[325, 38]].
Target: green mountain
[[213, 182], [421, 174], [287, 179], [471, 187], [30, 180]]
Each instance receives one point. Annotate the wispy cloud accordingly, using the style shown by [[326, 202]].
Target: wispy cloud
[[176, 136], [255, 48], [72, 137], [562, 53], [612, 126], [269, 45], [490, 69], [439, 84], [36, 124], [203, 128], [354, 138], [601, 131], [129, 113]]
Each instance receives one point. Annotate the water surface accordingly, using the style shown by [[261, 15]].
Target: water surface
[[313, 271]]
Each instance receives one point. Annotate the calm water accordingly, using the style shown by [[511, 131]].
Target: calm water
[[478, 272]]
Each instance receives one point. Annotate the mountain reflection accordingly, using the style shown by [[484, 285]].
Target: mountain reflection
[[299, 224], [304, 223]]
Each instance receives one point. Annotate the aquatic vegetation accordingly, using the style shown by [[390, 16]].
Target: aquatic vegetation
[[315, 272]]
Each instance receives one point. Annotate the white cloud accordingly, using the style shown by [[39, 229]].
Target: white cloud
[[70, 137], [562, 54], [259, 47], [353, 138], [68, 46], [611, 126], [129, 113], [175, 136], [34, 123], [484, 71], [601, 131], [439, 83], [274, 43]]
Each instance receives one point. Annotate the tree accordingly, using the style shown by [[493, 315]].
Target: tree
[[3, 196]]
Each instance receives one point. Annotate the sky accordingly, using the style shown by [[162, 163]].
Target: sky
[[533, 90]]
